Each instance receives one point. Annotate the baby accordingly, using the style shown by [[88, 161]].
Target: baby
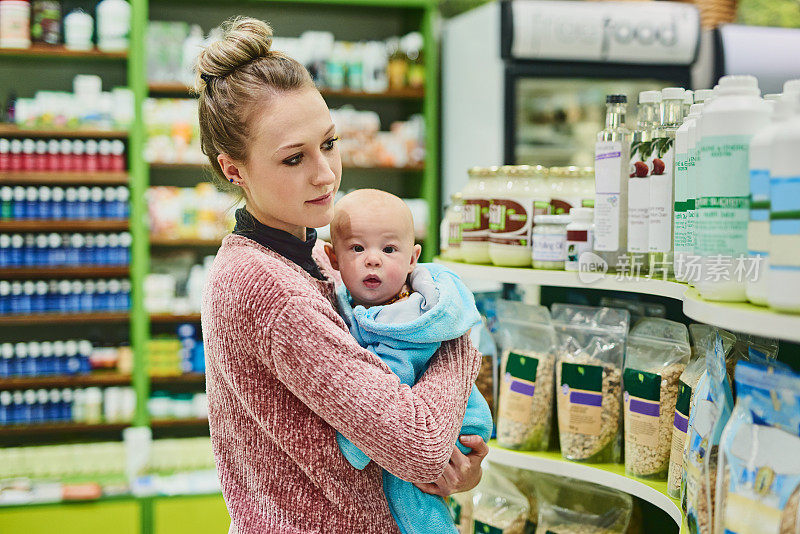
[[401, 311]]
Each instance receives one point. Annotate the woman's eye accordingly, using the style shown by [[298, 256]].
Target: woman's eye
[[294, 160], [358, 248], [388, 250], [330, 143]]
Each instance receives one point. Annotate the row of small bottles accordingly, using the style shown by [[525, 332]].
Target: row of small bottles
[[45, 358], [711, 178], [64, 203], [64, 296], [62, 155], [89, 405], [64, 250]]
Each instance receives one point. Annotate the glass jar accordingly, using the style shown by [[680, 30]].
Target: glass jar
[[580, 236], [475, 228], [571, 187], [451, 229], [550, 241]]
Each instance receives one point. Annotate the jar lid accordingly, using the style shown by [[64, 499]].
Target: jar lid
[[456, 197], [572, 172], [483, 172], [527, 170], [551, 219]]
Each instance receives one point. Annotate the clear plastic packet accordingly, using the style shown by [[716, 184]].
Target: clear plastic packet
[[460, 506], [525, 338], [525, 481], [712, 409], [569, 506], [758, 483], [589, 354], [498, 507], [687, 387], [656, 355], [638, 310]]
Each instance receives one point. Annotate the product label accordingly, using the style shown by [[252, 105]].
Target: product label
[[476, 220], [608, 165], [483, 528], [785, 206], [578, 242], [561, 206], [638, 214], [549, 247], [519, 385], [680, 426], [679, 205], [661, 185], [722, 225], [455, 509], [749, 516], [454, 234], [511, 221], [581, 390], [642, 407], [759, 194]]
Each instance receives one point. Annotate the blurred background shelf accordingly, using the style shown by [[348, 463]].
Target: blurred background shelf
[[60, 52], [187, 379], [73, 381], [63, 272], [166, 424], [188, 242], [64, 318], [15, 431], [46, 225], [11, 130], [65, 178], [170, 318], [181, 90]]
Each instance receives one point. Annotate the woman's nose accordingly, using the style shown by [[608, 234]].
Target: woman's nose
[[325, 174]]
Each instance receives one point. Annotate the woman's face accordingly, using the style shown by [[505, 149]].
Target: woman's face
[[293, 169]]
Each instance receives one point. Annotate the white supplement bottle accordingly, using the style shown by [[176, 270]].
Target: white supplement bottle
[[550, 241], [723, 207], [475, 228], [519, 197], [758, 236], [691, 202], [684, 193], [784, 193], [580, 236]]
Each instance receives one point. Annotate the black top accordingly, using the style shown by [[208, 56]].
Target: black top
[[284, 243]]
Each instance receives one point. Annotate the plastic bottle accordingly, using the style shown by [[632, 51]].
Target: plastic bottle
[[47, 360], [78, 161], [78, 29], [688, 100], [96, 203], [355, 67], [6, 203], [580, 236], [758, 228], [92, 162], [662, 182], [15, 24], [192, 46], [31, 202], [641, 168], [45, 202], [16, 155], [7, 365], [121, 207], [521, 194], [16, 256], [53, 158], [784, 193], [701, 95], [335, 67], [58, 209], [475, 229], [611, 181], [113, 25], [727, 126], [375, 64], [5, 297], [40, 157], [5, 250], [67, 161], [5, 155], [18, 207]]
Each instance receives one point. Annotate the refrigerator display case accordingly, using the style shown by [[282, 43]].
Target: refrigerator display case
[[525, 81]]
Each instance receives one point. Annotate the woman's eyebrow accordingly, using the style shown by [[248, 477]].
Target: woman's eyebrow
[[298, 145]]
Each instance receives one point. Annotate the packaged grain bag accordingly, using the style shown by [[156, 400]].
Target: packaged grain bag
[[498, 506]]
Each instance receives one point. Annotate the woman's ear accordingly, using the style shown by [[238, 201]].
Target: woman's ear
[[331, 256], [415, 257], [230, 169]]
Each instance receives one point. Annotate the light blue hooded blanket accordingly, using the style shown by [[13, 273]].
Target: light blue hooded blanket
[[405, 335]]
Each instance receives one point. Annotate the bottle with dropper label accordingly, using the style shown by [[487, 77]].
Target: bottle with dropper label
[[662, 182], [683, 226]]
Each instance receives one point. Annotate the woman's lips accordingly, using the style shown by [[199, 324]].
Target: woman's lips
[[372, 282], [321, 201]]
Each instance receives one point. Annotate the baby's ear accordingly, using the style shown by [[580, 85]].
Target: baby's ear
[[331, 256], [415, 257]]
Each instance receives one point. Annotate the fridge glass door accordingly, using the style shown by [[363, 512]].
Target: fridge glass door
[[558, 118]]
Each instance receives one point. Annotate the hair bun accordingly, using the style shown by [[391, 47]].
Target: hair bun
[[243, 40]]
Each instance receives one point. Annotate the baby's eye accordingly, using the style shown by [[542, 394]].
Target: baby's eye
[[358, 248], [389, 249]]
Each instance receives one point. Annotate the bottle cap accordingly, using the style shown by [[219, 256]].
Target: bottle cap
[[616, 99], [701, 95], [649, 97], [673, 93], [688, 97]]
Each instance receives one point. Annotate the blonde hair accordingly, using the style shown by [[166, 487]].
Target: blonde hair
[[233, 75]]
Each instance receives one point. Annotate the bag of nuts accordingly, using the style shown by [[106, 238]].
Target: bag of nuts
[[569, 506], [525, 481], [688, 385], [758, 484], [590, 349], [712, 408], [498, 506], [460, 506], [525, 337], [656, 354]]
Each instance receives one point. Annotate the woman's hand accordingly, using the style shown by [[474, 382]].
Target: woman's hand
[[463, 472]]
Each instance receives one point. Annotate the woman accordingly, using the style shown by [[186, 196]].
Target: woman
[[283, 373]]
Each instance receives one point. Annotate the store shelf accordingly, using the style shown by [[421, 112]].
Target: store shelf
[[61, 52], [170, 318], [178, 89], [64, 178], [11, 130], [45, 225], [174, 166], [16, 431], [741, 317], [64, 272], [186, 379], [609, 475], [164, 242], [74, 381], [162, 424], [64, 318]]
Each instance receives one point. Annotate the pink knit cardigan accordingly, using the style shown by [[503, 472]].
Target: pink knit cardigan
[[283, 375]]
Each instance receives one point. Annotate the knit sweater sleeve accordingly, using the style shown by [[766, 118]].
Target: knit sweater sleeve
[[409, 431]]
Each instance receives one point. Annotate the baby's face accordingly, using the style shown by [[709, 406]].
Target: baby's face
[[375, 253]]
